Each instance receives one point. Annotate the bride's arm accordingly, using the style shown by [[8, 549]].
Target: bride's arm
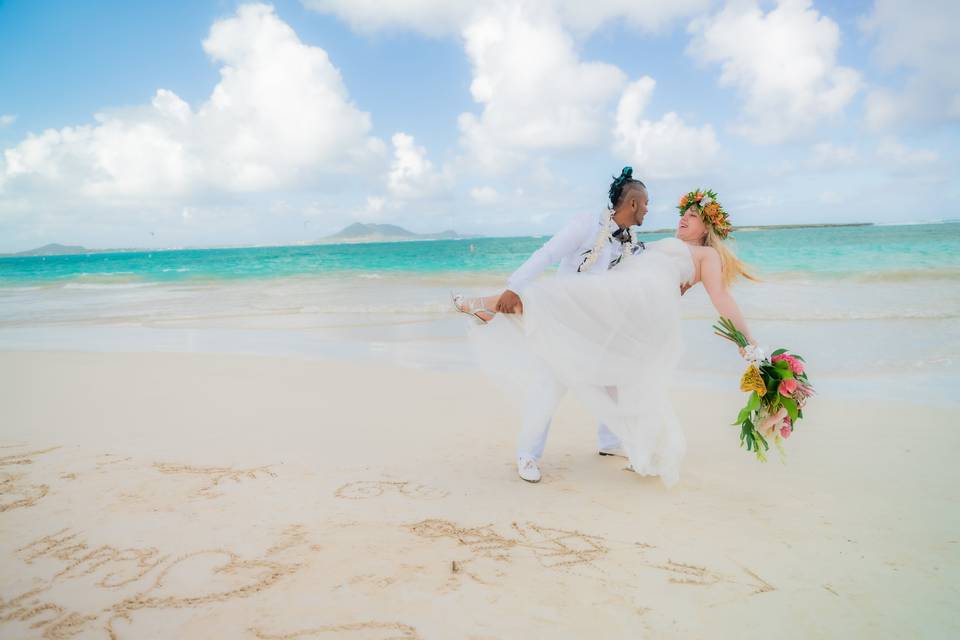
[[711, 274]]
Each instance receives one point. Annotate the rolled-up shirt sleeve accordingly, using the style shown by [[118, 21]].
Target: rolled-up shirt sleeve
[[564, 243]]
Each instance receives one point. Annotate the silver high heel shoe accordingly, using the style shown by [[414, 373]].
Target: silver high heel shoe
[[472, 307]]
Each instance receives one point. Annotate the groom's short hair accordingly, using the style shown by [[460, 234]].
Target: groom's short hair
[[630, 185]]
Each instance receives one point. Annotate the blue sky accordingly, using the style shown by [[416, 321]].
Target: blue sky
[[199, 123]]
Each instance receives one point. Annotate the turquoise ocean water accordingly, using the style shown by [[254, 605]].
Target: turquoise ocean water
[[875, 310], [875, 252]]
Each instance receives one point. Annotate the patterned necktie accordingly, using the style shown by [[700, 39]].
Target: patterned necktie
[[627, 245]]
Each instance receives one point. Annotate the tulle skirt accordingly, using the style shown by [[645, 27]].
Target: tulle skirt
[[613, 339]]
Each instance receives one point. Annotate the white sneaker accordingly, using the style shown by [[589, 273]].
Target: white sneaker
[[528, 469]]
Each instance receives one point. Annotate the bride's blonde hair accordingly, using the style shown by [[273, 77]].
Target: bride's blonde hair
[[733, 267]]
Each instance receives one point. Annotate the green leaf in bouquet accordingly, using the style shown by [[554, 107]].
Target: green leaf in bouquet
[[754, 402], [778, 352], [781, 364], [791, 406], [798, 357], [761, 455], [726, 329], [746, 434]]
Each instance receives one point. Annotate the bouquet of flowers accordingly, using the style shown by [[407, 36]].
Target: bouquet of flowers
[[778, 388]]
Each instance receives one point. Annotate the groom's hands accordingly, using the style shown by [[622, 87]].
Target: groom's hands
[[509, 302]]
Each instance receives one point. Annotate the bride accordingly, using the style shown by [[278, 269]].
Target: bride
[[613, 338]]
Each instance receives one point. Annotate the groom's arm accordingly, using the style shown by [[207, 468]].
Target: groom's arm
[[563, 243]]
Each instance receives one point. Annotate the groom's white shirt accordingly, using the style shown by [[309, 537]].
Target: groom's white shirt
[[568, 248]]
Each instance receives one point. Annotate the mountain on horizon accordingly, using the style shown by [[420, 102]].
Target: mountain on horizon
[[52, 249], [368, 232]]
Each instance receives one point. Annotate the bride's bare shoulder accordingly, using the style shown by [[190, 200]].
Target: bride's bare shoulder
[[702, 252]]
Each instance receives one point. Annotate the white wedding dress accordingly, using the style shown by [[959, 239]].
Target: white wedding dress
[[613, 339]]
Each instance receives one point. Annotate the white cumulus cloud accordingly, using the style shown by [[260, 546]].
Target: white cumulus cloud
[[7, 119], [783, 63], [279, 116], [535, 92], [411, 174], [664, 148]]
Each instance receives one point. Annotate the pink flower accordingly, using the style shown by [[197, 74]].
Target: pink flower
[[804, 391], [787, 387], [785, 431]]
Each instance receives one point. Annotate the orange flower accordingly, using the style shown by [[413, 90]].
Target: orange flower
[[683, 202], [753, 381]]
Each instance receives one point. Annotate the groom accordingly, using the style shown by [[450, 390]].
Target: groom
[[587, 244]]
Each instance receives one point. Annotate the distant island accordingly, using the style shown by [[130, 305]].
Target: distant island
[[52, 249], [359, 232]]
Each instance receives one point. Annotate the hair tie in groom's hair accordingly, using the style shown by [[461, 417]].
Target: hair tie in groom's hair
[[625, 175], [617, 186]]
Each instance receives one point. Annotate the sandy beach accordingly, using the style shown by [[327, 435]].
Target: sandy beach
[[179, 495]]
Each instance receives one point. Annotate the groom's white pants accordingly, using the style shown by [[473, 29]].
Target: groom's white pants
[[542, 401]]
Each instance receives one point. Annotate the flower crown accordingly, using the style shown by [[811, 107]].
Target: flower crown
[[710, 210]]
